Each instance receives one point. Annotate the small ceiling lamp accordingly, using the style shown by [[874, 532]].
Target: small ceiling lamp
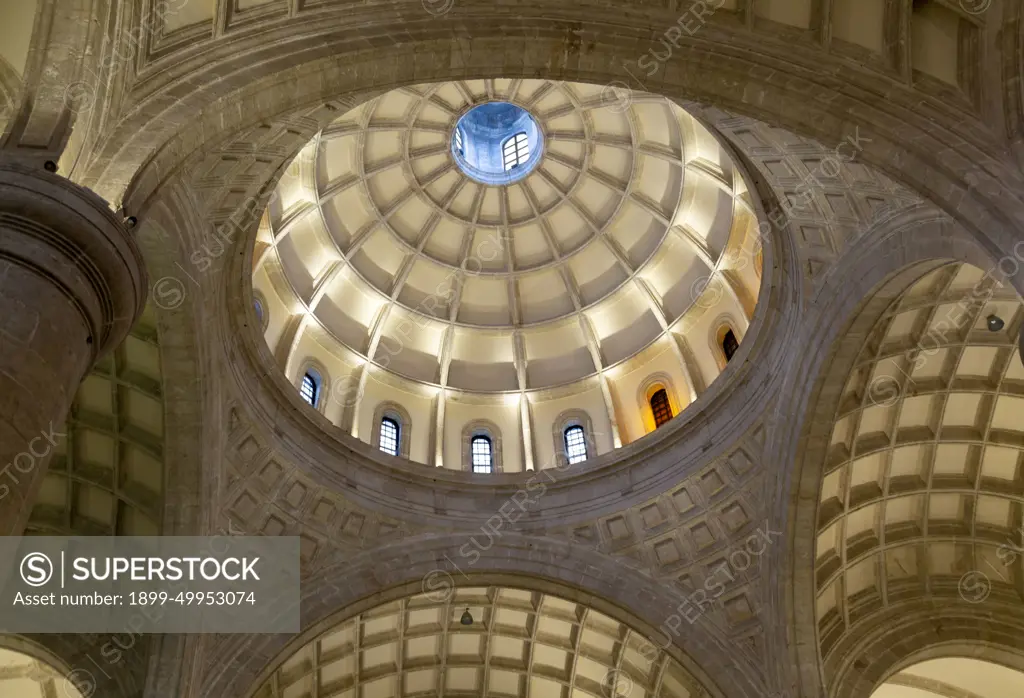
[[467, 618], [995, 323]]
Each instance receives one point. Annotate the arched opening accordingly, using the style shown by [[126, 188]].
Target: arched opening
[[952, 677], [309, 389], [515, 151], [390, 431], [575, 444], [729, 344], [660, 407], [25, 676], [914, 451], [477, 641], [482, 454]]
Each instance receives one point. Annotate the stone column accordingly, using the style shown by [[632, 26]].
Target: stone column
[[72, 283]]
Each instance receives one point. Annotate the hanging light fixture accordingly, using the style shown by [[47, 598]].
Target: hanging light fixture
[[467, 618]]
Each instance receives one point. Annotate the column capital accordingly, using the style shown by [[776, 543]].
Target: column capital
[[70, 235]]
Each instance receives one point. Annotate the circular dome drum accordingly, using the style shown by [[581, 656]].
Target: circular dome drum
[[570, 308]]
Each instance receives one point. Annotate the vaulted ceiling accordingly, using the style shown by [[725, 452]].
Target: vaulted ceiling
[[23, 676], [520, 644], [922, 483], [924, 478], [952, 677]]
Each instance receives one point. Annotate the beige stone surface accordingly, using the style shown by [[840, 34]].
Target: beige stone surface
[[850, 500]]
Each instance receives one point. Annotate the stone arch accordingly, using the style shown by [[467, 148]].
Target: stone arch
[[919, 631], [399, 414], [890, 259], [570, 418], [482, 427], [420, 563], [648, 387], [191, 392], [322, 379], [722, 324], [49, 672], [895, 117]]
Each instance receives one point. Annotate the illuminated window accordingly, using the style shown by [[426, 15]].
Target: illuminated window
[[575, 444], [660, 407], [729, 345], [310, 388], [482, 456], [389, 436], [515, 151], [458, 140], [259, 309]]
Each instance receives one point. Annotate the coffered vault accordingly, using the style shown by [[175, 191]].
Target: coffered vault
[[517, 643], [880, 140]]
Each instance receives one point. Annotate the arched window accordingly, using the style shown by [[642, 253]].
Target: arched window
[[458, 141], [660, 407], [483, 460], [515, 150], [394, 428], [575, 444], [310, 387], [389, 436], [259, 309], [729, 345]]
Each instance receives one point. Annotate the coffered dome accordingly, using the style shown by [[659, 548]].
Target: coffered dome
[[620, 262]]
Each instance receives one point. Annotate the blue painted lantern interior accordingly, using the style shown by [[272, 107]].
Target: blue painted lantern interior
[[489, 140]]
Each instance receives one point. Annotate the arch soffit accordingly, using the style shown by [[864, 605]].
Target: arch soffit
[[917, 631], [191, 393], [490, 430], [392, 410], [573, 417], [423, 564], [854, 296]]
